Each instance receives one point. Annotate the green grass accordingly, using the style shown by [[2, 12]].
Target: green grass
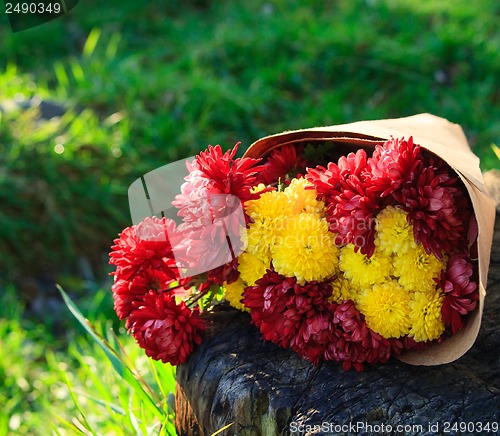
[[67, 385], [149, 83]]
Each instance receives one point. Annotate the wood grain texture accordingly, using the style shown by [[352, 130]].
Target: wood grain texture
[[235, 377]]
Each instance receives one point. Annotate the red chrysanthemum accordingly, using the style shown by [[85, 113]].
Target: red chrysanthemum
[[438, 210], [351, 201], [227, 174], [352, 217], [331, 182], [165, 330], [128, 292], [291, 315], [392, 164], [460, 290], [144, 246], [281, 162], [354, 343]]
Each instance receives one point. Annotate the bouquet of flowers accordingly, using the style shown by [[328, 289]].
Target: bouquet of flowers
[[346, 247]]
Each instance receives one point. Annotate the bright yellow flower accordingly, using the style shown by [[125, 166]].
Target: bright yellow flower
[[425, 315], [269, 213], [342, 290], [304, 200], [416, 269], [234, 293], [394, 233], [306, 249], [269, 206], [362, 271], [386, 309], [252, 267]]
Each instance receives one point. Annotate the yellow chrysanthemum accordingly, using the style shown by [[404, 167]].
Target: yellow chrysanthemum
[[304, 200], [386, 309], [394, 233], [362, 271], [342, 290], [269, 213], [252, 267], [269, 206], [416, 269], [233, 294], [306, 249], [425, 315]]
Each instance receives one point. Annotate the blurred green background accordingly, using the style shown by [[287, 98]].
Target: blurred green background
[[136, 85]]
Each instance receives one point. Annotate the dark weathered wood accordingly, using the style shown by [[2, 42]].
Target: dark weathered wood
[[235, 377]]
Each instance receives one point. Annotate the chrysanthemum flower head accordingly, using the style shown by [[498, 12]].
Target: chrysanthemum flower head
[[127, 293], [438, 210], [386, 310], [416, 270], [342, 290], [425, 315], [305, 249], [393, 163], [252, 267], [394, 233], [280, 163], [269, 206], [303, 197], [234, 293], [143, 246], [364, 271], [166, 330], [460, 290]]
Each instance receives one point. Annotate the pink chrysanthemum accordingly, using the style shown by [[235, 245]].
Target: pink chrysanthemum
[[392, 164], [460, 290], [128, 292], [281, 162], [165, 330], [216, 186], [144, 246]]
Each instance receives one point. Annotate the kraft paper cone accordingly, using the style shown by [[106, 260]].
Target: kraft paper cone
[[447, 141]]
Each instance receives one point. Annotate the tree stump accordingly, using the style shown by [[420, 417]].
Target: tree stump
[[236, 378]]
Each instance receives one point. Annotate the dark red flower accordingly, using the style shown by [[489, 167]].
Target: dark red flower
[[460, 290], [291, 315], [438, 210], [281, 162], [128, 292], [392, 164], [355, 344], [147, 245], [165, 330]]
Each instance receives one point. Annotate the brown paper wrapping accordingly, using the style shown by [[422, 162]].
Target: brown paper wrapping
[[446, 140]]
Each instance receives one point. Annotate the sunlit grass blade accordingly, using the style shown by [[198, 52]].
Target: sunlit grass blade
[[222, 429], [91, 43], [77, 404], [118, 364], [496, 150]]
